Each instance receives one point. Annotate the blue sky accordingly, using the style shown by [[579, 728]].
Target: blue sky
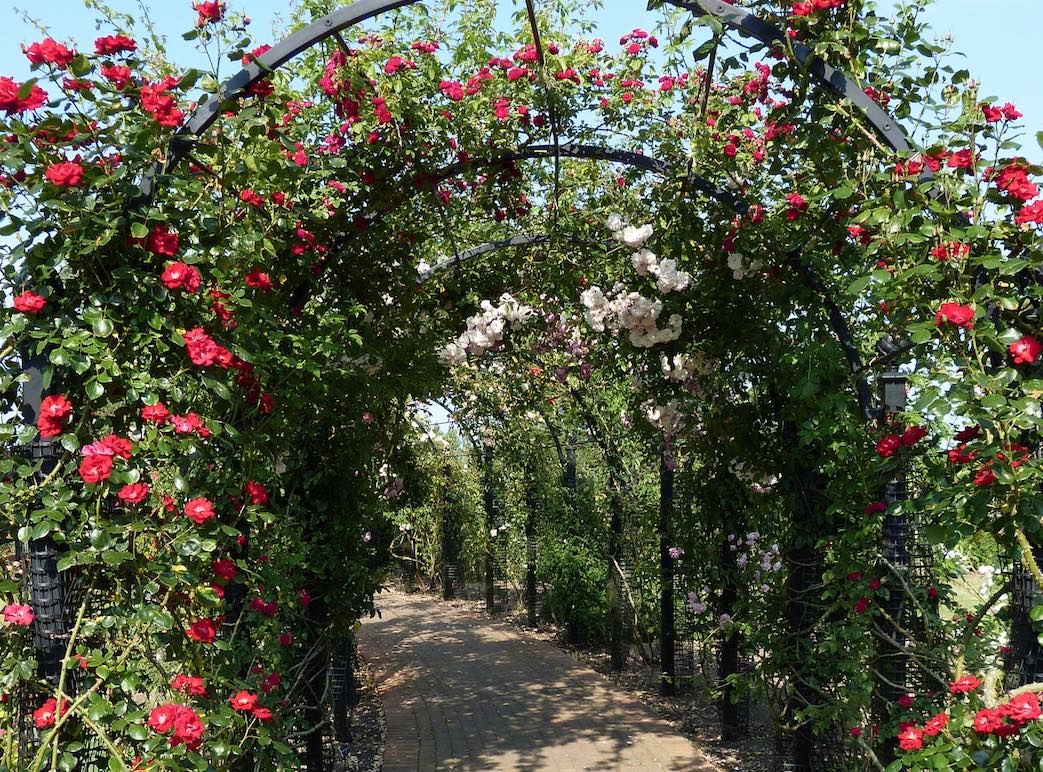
[[1000, 39]]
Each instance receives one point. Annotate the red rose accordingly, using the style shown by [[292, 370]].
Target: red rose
[[1030, 214], [50, 51], [964, 685], [225, 569], [117, 74], [954, 313], [1022, 708], [188, 728], [987, 721], [157, 414], [202, 631], [133, 493], [181, 276], [262, 714], [192, 685], [11, 102], [259, 280], [64, 175], [985, 476], [209, 10], [188, 424], [960, 455], [118, 445], [161, 241], [199, 510], [14, 614], [874, 584], [255, 492], [203, 351], [968, 434], [913, 435], [286, 639], [44, 715], [243, 701], [29, 302], [861, 605], [54, 411], [888, 446], [1025, 350], [161, 719], [910, 739], [162, 106], [95, 469], [114, 44], [932, 592], [874, 507]]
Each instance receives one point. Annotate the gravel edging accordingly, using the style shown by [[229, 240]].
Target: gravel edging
[[365, 752]]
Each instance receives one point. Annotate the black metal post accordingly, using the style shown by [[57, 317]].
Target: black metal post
[[570, 464], [616, 628], [530, 548], [894, 548], [490, 595], [343, 691], [449, 541], [668, 634], [808, 521], [48, 589], [314, 678], [734, 713]]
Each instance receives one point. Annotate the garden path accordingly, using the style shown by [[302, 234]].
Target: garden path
[[462, 691]]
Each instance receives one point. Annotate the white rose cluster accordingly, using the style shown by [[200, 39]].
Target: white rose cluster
[[646, 262], [667, 418], [683, 368], [741, 266], [632, 312], [485, 330]]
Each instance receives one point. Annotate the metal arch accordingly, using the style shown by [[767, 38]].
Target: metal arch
[[533, 152], [596, 153], [826, 74], [330, 25], [482, 249], [494, 246]]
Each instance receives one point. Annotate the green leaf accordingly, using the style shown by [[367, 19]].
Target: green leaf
[[102, 327], [217, 387], [137, 732], [1036, 614], [139, 230]]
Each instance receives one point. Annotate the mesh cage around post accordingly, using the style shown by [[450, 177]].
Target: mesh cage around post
[[684, 631], [830, 753], [500, 571], [1023, 664], [343, 693]]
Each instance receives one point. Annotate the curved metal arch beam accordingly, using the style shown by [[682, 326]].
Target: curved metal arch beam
[[598, 153], [532, 152], [829, 76], [261, 67]]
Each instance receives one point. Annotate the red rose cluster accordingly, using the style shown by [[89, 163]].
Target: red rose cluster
[[55, 410], [1010, 717], [892, 443], [12, 103], [188, 727]]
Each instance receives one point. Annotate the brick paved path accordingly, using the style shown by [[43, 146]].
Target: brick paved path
[[461, 691]]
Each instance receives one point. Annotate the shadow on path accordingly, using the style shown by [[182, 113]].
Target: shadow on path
[[462, 691]]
